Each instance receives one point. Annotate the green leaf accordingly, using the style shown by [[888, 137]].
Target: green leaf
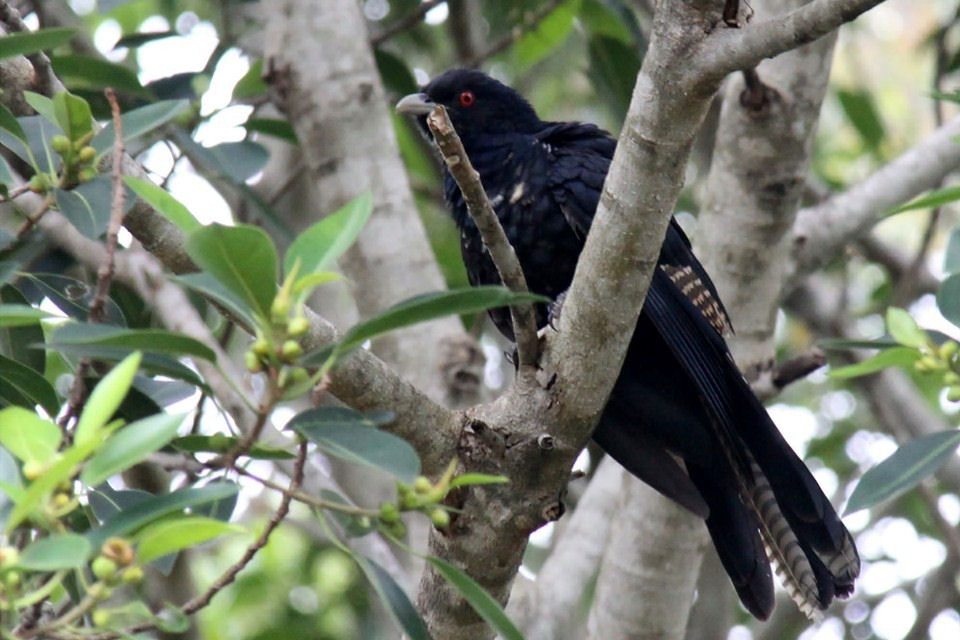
[[130, 445], [146, 511], [64, 551], [11, 485], [9, 123], [106, 398], [137, 122], [936, 198], [272, 127], [73, 296], [396, 75], [903, 328], [613, 72], [148, 340], [164, 203], [396, 600], [948, 298], [73, 115], [96, 74], [548, 34], [951, 262], [168, 536], [903, 470], [347, 434], [466, 479], [21, 385], [28, 436], [60, 471], [251, 84], [839, 344], [239, 161], [242, 258], [599, 19], [220, 443], [87, 206], [206, 285], [20, 315], [310, 282], [42, 105], [862, 113], [320, 245], [481, 601], [27, 42], [433, 305], [895, 357]]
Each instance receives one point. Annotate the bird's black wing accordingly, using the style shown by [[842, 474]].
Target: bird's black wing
[[680, 334]]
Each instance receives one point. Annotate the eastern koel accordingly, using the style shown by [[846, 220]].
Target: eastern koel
[[680, 417]]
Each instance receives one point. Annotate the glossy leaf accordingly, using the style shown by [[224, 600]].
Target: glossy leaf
[[73, 296], [904, 469], [133, 518], [106, 398], [396, 75], [481, 601], [951, 261], [862, 113], [28, 436], [346, 434], [433, 305], [240, 161], [20, 315], [205, 284], [394, 598], [168, 536], [139, 121], [17, 339], [8, 122], [904, 329], [10, 482], [27, 42], [537, 43], [895, 357], [164, 203], [272, 127], [130, 445], [42, 105], [948, 298], [73, 115], [64, 551], [21, 385], [94, 73], [242, 258], [251, 84], [319, 246], [838, 344], [613, 71], [148, 340], [87, 207], [153, 363], [935, 198]]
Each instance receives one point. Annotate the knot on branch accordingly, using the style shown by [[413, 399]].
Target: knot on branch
[[758, 98], [480, 444]]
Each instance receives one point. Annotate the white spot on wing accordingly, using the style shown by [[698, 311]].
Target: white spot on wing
[[518, 192]]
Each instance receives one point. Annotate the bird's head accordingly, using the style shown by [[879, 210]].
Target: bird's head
[[477, 104]]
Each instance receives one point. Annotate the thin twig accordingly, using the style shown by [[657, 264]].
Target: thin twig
[[404, 23], [34, 217], [494, 238], [306, 498], [77, 395], [527, 23], [230, 575]]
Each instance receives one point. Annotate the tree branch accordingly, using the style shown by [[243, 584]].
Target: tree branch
[[821, 231], [494, 239], [729, 50]]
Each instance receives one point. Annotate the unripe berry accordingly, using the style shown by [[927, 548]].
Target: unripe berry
[[291, 350], [103, 568], [60, 144], [253, 362], [132, 575], [9, 556], [39, 183], [33, 469], [389, 513], [280, 309], [60, 500], [100, 591], [297, 326], [118, 550], [398, 529], [101, 617], [953, 394], [261, 347], [87, 174], [422, 484], [440, 518], [87, 154], [12, 579]]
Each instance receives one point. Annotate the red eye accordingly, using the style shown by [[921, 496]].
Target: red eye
[[466, 98]]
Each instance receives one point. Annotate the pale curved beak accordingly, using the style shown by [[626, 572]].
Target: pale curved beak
[[419, 104]]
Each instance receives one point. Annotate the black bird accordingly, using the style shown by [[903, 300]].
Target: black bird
[[681, 417]]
